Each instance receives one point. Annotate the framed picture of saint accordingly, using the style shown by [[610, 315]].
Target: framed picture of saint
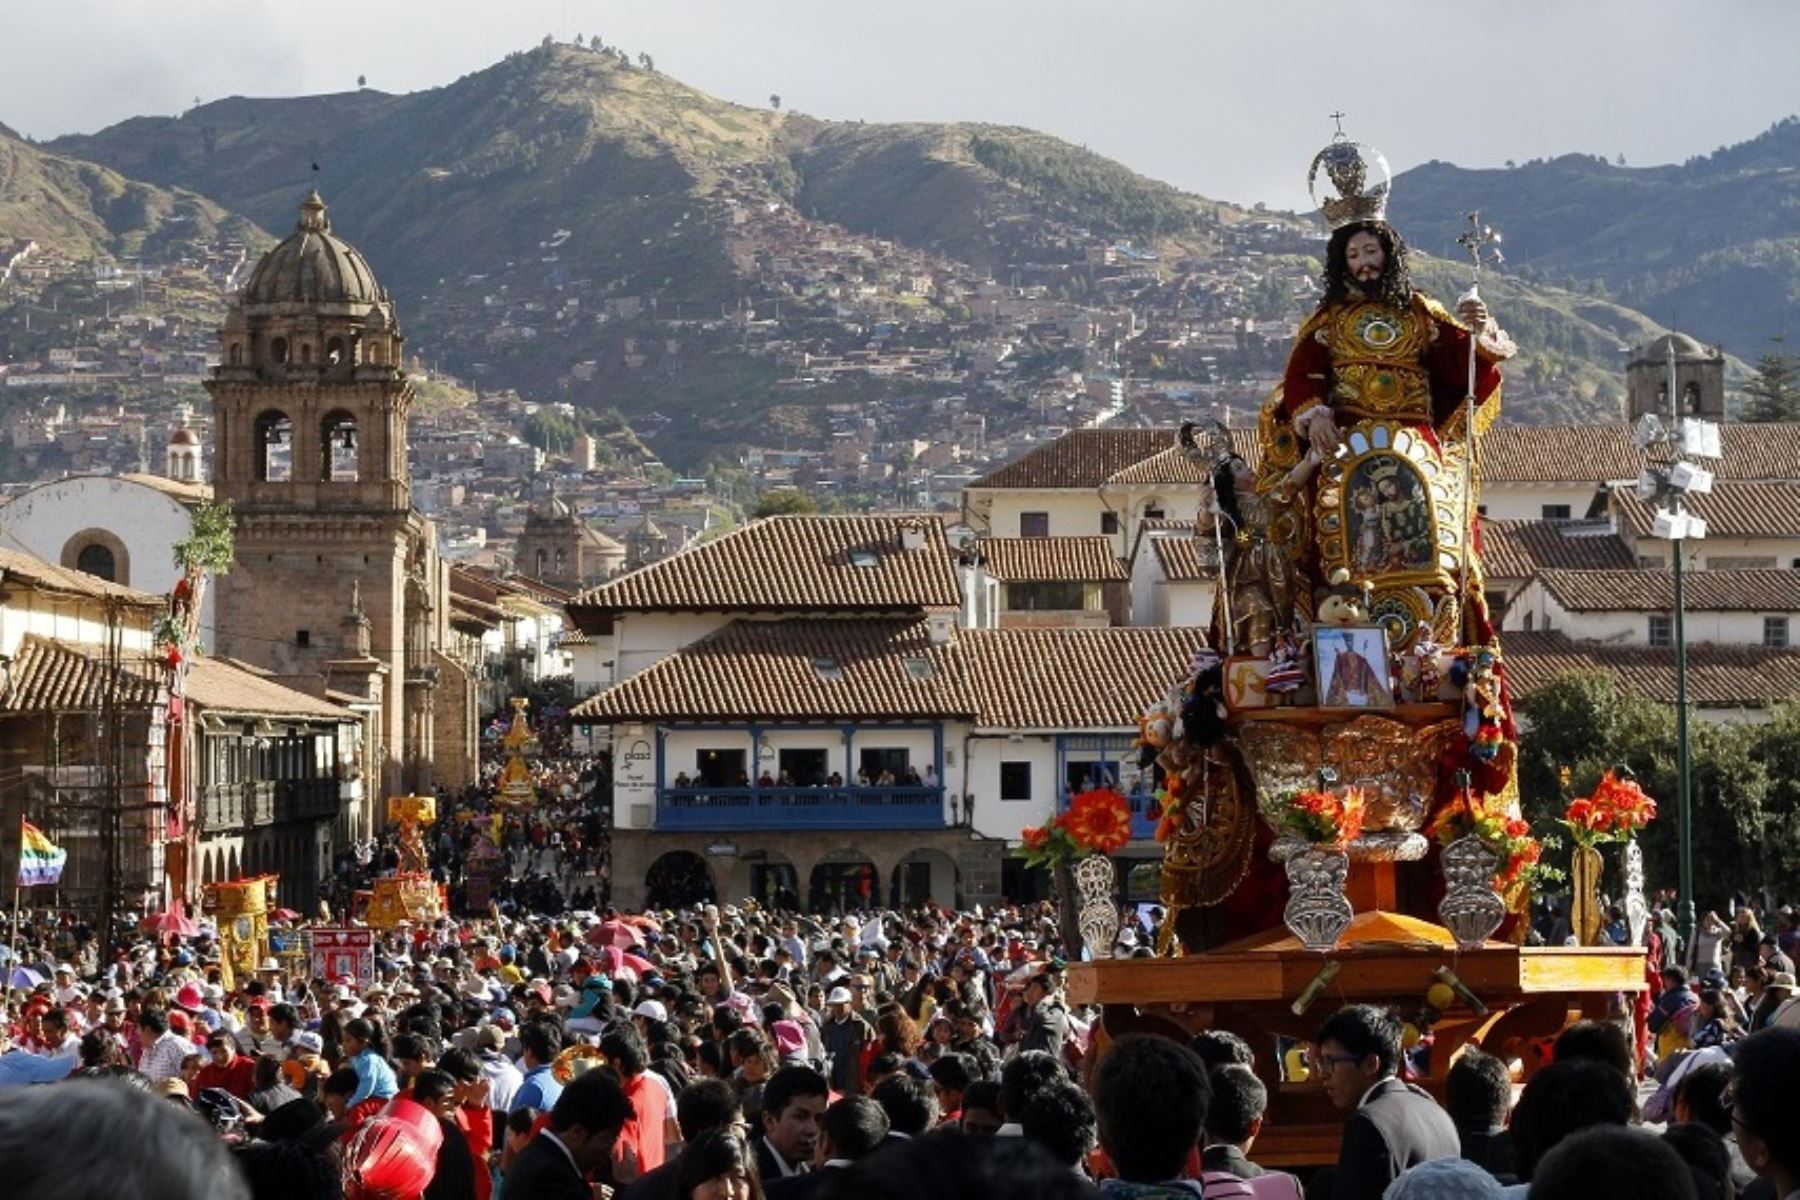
[[1353, 670]]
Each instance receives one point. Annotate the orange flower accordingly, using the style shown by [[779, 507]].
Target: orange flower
[[1099, 821], [1035, 837]]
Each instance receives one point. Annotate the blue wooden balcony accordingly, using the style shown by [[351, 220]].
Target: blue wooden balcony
[[1144, 813], [728, 810]]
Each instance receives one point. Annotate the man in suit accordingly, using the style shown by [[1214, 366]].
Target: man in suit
[[1393, 1125], [1233, 1121], [793, 1100], [853, 1128], [583, 1127]]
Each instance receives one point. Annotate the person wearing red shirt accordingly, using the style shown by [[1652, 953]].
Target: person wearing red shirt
[[473, 1115], [647, 1133], [227, 1068]]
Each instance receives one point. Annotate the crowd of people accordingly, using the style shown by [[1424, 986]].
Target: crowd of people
[[738, 1054]]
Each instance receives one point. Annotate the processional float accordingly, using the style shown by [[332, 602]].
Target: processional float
[[1340, 812]]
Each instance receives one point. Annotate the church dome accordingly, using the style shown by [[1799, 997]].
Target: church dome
[[1686, 350], [184, 437], [314, 267]]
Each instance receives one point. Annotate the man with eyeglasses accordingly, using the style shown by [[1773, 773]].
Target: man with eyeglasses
[[1393, 1125], [1764, 1113]]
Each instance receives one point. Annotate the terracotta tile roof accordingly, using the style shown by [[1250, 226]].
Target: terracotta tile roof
[[1597, 453], [1172, 465], [48, 577], [791, 564], [1773, 591], [56, 677], [887, 669], [1718, 676], [1081, 458], [1038, 560], [224, 685], [1073, 678], [1520, 549], [1185, 559], [818, 669], [1088, 458], [1734, 508]]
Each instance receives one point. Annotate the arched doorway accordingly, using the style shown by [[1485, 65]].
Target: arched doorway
[[774, 883], [926, 877], [843, 881], [679, 879]]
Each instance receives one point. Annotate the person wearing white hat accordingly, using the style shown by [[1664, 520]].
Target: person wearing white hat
[[845, 1034], [65, 990]]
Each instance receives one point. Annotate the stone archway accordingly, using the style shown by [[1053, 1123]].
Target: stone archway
[[679, 879], [844, 880], [768, 877], [925, 877]]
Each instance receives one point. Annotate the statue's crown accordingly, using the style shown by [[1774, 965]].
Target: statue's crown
[[1385, 468], [1349, 182]]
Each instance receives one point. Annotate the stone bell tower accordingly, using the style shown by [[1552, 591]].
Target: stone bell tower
[[310, 406]]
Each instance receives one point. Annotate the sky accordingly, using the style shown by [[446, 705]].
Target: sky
[[1230, 100]]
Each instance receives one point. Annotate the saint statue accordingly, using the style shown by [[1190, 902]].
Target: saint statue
[[1365, 444]]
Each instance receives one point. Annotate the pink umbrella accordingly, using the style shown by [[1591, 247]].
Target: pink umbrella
[[284, 914], [172, 924], [612, 958], [614, 933]]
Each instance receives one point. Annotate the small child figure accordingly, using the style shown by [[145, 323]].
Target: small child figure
[[1287, 674]]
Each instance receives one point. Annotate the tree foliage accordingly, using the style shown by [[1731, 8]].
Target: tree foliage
[[1746, 782], [210, 547], [784, 502], [1772, 393]]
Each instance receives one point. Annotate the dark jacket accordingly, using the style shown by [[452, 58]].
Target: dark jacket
[[1046, 1028], [766, 1166], [652, 1185], [800, 1187], [1397, 1127], [543, 1172], [1492, 1151]]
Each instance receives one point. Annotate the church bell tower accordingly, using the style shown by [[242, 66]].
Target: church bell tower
[[310, 406]]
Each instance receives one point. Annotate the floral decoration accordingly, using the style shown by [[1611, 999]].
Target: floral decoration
[[1170, 803], [1506, 835], [1614, 812], [1096, 822], [1320, 817]]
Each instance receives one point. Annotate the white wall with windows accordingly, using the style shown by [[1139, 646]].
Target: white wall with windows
[[1535, 610], [1013, 782]]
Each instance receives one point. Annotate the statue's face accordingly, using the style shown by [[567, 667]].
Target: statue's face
[[1365, 259]]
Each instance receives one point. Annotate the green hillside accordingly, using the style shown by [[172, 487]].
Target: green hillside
[[1711, 246], [87, 211]]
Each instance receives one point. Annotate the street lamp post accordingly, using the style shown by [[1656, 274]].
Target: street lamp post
[[1668, 479]]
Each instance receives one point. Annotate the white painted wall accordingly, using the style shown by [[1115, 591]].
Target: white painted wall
[[1526, 501], [1005, 818], [66, 618], [1632, 628], [644, 639], [148, 522]]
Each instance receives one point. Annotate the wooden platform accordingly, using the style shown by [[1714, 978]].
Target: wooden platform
[[1248, 987]]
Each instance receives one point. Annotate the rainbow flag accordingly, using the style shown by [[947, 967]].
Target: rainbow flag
[[40, 860]]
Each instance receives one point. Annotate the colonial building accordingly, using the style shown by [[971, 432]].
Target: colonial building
[[561, 549], [1636, 607], [252, 777], [121, 528], [337, 587]]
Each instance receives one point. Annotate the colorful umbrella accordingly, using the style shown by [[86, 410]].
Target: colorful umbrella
[[284, 914], [614, 933], [172, 924], [612, 958], [23, 977]]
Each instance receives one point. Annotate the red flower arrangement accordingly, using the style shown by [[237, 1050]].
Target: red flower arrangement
[[1616, 810], [1507, 836], [1322, 818], [1096, 822]]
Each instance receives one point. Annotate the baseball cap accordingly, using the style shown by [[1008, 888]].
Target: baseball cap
[[310, 1042], [652, 1010], [490, 1037], [839, 995], [172, 1087]]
